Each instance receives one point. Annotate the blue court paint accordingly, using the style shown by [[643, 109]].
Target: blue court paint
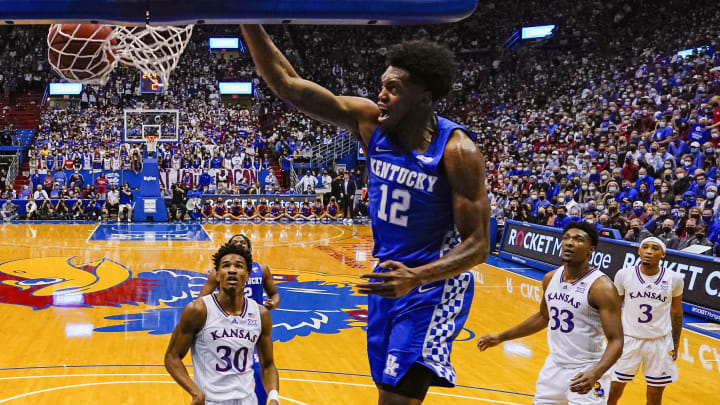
[[150, 232]]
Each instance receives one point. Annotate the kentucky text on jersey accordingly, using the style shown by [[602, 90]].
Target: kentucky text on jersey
[[254, 281], [564, 297], [234, 333], [403, 176], [648, 294]]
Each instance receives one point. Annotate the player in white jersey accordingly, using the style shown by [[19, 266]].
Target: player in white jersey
[[652, 322], [223, 329], [580, 308]]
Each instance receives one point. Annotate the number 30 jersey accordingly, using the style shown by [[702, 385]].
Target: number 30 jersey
[[647, 299], [574, 333], [410, 199], [222, 351]]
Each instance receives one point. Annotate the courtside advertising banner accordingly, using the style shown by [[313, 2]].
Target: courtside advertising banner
[[539, 246]]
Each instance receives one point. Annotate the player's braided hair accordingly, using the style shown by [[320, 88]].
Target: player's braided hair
[[430, 65], [232, 248]]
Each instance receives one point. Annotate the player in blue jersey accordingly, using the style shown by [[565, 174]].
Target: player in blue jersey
[[428, 206], [260, 281]]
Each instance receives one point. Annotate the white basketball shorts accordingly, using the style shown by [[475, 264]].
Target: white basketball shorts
[[553, 386], [656, 357]]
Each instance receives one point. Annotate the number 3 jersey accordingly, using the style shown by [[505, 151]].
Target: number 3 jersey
[[222, 351], [646, 312], [575, 335], [410, 199]]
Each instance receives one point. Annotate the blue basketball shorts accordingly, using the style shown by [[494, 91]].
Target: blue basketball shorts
[[418, 328], [259, 387]]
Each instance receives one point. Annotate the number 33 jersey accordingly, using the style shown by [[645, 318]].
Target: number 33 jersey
[[222, 352], [646, 311], [410, 199], [574, 333]]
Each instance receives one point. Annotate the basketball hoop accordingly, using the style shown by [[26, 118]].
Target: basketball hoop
[[87, 53], [151, 143], [153, 49]]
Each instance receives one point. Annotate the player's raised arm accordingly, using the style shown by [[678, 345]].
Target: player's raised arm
[[269, 373], [604, 296], [534, 324], [357, 114], [192, 320]]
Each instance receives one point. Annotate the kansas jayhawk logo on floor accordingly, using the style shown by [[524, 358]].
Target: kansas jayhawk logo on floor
[[64, 281], [311, 303]]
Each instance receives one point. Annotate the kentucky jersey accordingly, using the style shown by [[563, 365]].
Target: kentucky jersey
[[410, 201], [254, 285], [412, 222], [574, 334], [646, 312], [222, 352]]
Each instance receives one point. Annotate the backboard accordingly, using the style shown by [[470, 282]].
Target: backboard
[[138, 124], [182, 12]]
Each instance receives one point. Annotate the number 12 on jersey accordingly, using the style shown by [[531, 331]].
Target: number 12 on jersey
[[399, 205]]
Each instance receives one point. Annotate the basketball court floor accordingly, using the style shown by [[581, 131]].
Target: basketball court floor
[[87, 312]]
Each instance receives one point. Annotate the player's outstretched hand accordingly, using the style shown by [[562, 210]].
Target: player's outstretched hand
[[583, 382], [396, 283], [198, 399], [488, 341], [268, 304]]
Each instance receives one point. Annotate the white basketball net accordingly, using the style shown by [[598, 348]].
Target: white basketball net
[[149, 49], [151, 143]]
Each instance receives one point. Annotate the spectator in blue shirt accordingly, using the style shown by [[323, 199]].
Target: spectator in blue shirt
[[698, 132], [562, 219], [205, 179], [698, 187], [663, 132], [678, 147]]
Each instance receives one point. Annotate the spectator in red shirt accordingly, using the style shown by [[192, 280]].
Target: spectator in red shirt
[[101, 184], [629, 169]]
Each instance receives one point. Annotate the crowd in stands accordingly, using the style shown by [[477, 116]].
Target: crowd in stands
[[602, 122]]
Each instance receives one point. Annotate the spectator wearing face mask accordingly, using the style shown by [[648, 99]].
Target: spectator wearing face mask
[[698, 187], [713, 201], [638, 212], [682, 183], [617, 219], [666, 234], [695, 235], [562, 218], [637, 233], [663, 132]]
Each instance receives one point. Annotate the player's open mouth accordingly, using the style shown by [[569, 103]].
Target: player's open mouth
[[383, 113]]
